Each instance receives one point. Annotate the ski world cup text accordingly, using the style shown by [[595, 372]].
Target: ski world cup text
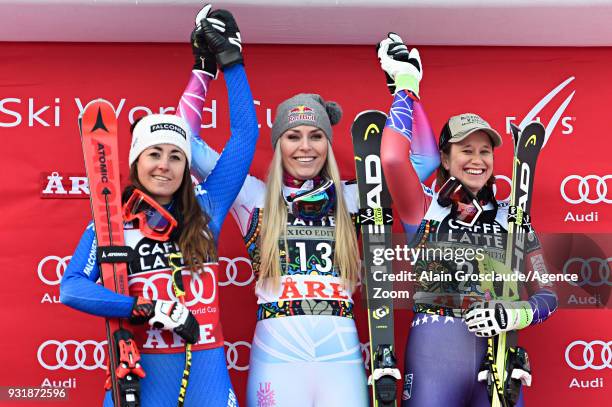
[[34, 112]]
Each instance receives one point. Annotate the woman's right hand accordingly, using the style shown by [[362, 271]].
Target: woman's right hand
[[167, 315], [403, 68], [205, 60]]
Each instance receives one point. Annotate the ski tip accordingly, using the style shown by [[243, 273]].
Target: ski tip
[[370, 116], [515, 129], [366, 112], [516, 133], [535, 124], [97, 103], [99, 114], [532, 135]]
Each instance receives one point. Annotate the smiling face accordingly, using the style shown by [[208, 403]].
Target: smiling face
[[304, 151], [160, 170], [471, 160]]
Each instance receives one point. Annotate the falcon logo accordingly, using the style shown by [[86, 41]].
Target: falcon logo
[[170, 127]]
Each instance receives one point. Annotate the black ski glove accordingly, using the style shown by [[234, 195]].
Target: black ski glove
[[204, 59], [226, 45]]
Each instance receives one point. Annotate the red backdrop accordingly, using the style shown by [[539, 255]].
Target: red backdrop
[[43, 86]]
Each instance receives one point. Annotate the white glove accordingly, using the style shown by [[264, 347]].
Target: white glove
[[174, 316], [490, 318], [405, 68]]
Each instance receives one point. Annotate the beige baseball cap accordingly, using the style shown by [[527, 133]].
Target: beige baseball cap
[[459, 127]]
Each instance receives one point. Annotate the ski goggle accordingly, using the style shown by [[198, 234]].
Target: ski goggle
[[466, 207], [154, 221], [315, 203]]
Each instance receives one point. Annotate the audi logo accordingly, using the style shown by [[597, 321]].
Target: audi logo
[[196, 286], [594, 271], [589, 352], [51, 269], [72, 355], [232, 355], [598, 193], [508, 181], [238, 271], [236, 274], [90, 355]]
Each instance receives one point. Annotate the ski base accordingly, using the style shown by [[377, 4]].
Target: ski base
[[528, 144], [376, 220], [98, 128]]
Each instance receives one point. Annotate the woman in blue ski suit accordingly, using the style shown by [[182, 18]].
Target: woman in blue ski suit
[[160, 159]]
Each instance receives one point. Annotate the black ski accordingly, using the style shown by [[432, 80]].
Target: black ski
[[376, 220], [528, 144]]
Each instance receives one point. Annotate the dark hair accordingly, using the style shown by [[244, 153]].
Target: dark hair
[[194, 236], [133, 125]]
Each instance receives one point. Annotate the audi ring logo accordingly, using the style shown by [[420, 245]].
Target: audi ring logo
[[72, 355], [508, 180], [238, 271], [594, 271], [52, 268], [90, 355], [591, 189], [232, 355], [151, 285], [596, 355]]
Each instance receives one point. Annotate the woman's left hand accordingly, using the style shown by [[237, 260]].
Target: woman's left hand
[[490, 318]]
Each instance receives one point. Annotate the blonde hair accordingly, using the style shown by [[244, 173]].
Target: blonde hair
[[274, 225]]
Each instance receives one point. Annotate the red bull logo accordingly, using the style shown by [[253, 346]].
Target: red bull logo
[[300, 113]]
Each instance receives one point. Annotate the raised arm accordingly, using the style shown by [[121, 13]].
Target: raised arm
[[224, 182], [404, 184], [190, 107], [192, 101], [204, 158], [406, 134], [424, 154]]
